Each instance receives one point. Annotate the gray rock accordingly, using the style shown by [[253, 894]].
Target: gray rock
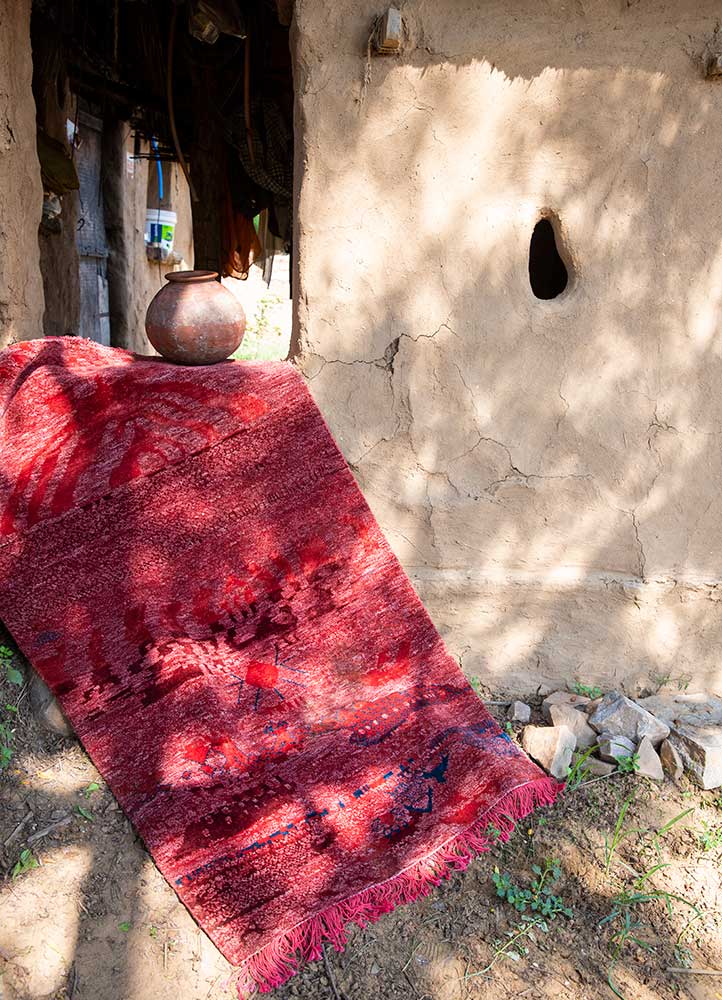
[[648, 759], [599, 768], [567, 715], [46, 708], [552, 747], [700, 748], [518, 711], [691, 709], [611, 747], [620, 716], [671, 760], [563, 698]]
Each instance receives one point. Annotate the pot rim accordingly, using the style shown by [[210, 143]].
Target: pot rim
[[185, 277]]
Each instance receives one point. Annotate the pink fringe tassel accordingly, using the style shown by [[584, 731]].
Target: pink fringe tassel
[[281, 958]]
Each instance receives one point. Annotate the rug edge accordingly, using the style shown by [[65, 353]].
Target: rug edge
[[281, 958]]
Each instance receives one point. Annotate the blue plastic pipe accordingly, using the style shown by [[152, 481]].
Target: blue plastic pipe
[[154, 144]]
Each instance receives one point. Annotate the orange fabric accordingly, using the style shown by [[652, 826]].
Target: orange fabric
[[241, 245]]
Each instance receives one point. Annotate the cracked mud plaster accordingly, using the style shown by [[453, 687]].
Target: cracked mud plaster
[[548, 472]]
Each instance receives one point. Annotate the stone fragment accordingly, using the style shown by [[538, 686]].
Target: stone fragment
[[611, 747], [591, 708], [671, 760], [648, 760], [518, 711], [618, 715], [700, 748], [691, 709], [599, 768], [562, 698], [567, 715], [46, 708], [552, 747]]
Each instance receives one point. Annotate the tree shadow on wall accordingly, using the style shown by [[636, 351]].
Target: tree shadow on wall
[[478, 445], [545, 470]]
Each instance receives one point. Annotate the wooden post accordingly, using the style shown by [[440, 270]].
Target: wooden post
[[208, 170]]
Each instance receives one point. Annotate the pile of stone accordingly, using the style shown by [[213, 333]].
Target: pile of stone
[[668, 733]]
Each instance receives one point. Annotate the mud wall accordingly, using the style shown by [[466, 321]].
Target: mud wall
[[548, 472], [21, 195]]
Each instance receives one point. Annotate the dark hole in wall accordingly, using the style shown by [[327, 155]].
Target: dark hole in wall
[[547, 273]]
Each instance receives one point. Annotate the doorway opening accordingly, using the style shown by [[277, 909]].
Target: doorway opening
[[175, 121]]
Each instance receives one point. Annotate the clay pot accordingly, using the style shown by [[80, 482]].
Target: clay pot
[[194, 320]]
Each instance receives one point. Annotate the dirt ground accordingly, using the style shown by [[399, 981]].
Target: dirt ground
[[96, 921]]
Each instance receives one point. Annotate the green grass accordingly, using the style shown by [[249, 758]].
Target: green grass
[[9, 711], [264, 340], [261, 348], [626, 917]]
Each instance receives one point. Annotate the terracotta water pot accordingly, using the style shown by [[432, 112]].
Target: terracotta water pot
[[194, 320]]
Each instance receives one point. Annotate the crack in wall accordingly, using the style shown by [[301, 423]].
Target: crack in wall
[[429, 509], [441, 475], [389, 355], [640, 547], [387, 362], [382, 440]]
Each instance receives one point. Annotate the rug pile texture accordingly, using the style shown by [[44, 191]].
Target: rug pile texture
[[188, 562]]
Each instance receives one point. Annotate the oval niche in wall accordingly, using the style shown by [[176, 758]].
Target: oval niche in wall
[[548, 275]]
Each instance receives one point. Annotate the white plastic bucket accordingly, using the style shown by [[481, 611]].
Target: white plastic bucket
[[159, 230]]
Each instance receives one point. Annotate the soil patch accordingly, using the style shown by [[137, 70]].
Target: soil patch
[[95, 920]]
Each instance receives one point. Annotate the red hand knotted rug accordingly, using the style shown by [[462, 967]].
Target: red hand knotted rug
[[188, 562]]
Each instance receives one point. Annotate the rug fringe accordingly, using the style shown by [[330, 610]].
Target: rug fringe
[[275, 964]]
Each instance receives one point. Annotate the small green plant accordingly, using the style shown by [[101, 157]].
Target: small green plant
[[12, 674], [260, 323], [493, 833], [92, 787], [153, 931], [25, 863], [264, 340], [475, 682], [508, 729], [540, 902], [7, 719], [628, 765], [587, 691], [538, 897], [85, 813], [7, 735], [710, 836], [682, 956], [125, 926]]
